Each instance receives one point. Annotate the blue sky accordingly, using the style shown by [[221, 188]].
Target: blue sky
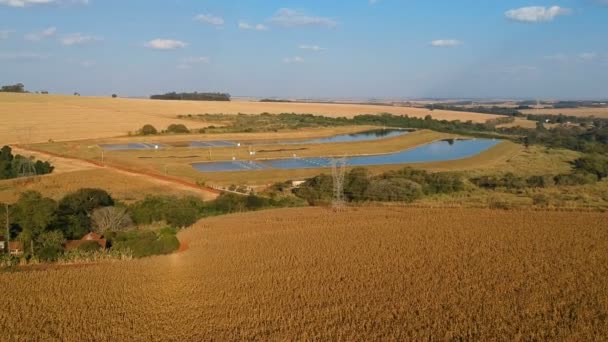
[[309, 48]]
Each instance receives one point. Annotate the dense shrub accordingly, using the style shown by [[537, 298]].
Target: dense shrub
[[594, 164], [49, 245], [178, 128], [146, 243], [89, 246], [360, 186], [148, 130], [179, 212], [576, 178], [393, 190]]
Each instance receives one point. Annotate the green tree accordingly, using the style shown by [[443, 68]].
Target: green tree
[[49, 245], [595, 164], [33, 214], [148, 130], [75, 209], [357, 182], [178, 129]]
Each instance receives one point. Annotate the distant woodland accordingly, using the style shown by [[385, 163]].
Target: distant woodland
[[192, 96]]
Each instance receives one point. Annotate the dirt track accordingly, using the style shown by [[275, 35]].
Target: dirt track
[[65, 164]]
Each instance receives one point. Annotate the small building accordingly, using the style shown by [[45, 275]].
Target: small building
[[91, 237], [15, 248]]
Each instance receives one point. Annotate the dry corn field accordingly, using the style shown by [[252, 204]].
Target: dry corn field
[[29, 118], [311, 274], [122, 186]]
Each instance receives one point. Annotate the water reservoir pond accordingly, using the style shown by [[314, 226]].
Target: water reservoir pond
[[433, 152], [131, 147], [342, 138]]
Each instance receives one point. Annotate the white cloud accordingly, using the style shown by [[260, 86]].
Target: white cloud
[[292, 18], [46, 33], [258, 27], [536, 14], [165, 44], [292, 60], [24, 3], [77, 39], [446, 43], [315, 48], [27, 3], [210, 19]]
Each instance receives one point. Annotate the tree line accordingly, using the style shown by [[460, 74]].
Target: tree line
[[44, 225], [408, 185], [13, 166], [13, 88], [192, 96]]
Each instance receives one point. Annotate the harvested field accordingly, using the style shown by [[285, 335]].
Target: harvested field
[[361, 274], [27, 118], [597, 112], [121, 185], [519, 122]]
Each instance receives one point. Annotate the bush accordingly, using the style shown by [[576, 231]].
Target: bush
[[146, 243], [540, 200], [178, 128], [180, 212], [89, 246], [595, 164], [576, 178], [49, 245], [540, 181], [148, 130], [496, 203], [393, 190]]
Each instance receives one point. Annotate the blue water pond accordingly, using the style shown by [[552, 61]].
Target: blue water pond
[[433, 152]]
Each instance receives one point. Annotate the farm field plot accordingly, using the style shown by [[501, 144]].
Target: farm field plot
[[122, 186], [597, 112], [177, 161], [37, 118], [360, 274]]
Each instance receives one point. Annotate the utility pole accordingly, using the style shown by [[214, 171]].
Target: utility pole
[[8, 230], [338, 170]]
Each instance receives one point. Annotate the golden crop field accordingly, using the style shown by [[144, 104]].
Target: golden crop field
[[122, 186], [312, 274], [519, 122], [597, 112], [27, 118]]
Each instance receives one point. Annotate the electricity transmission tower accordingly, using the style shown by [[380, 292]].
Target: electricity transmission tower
[[27, 168], [338, 171]]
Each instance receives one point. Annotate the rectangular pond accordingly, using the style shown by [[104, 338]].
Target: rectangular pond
[[375, 134], [217, 143], [131, 146], [433, 152], [342, 138]]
